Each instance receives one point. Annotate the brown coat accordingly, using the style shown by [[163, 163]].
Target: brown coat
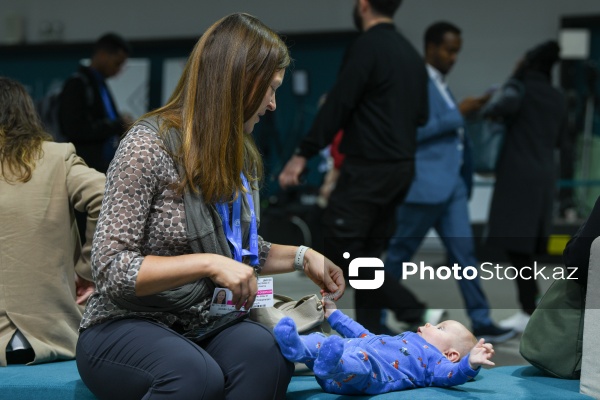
[[40, 252]]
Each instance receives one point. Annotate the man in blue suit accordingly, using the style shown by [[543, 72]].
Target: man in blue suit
[[438, 196]]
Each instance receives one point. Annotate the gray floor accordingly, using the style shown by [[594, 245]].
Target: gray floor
[[501, 294]]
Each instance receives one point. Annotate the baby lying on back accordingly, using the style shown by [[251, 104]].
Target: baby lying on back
[[361, 362]]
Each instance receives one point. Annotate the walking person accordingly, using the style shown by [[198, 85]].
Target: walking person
[[522, 205], [378, 99]]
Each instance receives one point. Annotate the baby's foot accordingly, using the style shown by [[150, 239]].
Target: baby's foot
[[329, 357], [291, 344]]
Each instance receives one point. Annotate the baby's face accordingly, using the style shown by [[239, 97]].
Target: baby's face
[[444, 335]]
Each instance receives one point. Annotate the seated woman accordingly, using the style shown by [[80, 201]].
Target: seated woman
[[44, 272], [179, 218]]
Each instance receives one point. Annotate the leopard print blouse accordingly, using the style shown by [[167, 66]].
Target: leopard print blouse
[[141, 215]]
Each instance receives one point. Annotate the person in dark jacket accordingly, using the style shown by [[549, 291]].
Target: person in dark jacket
[[88, 114], [379, 100], [521, 209]]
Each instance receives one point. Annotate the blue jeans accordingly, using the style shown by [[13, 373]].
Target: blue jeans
[[451, 222]]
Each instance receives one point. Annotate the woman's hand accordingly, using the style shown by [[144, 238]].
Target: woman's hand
[[83, 289], [290, 176], [160, 273], [324, 273], [237, 277]]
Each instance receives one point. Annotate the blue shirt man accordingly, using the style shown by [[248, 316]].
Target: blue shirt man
[[438, 196]]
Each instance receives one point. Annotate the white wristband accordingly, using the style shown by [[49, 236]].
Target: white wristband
[[299, 259]]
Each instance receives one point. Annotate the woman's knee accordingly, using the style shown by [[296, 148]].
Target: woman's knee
[[257, 343], [251, 362], [191, 375], [158, 364], [192, 378]]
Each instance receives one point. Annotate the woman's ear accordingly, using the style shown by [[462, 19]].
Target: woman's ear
[[452, 355]]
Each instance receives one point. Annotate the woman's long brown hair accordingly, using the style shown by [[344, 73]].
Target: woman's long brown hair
[[21, 133], [223, 84]]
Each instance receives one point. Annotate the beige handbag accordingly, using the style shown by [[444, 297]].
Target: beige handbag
[[307, 313]]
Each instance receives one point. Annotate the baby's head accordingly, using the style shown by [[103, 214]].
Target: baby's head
[[452, 338]]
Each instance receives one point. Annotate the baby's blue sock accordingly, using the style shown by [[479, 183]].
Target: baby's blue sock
[[294, 347], [326, 364]]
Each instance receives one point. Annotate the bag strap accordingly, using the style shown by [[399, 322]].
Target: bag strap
[[281, 297]]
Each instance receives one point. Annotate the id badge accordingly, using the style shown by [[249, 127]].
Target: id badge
[[264, 297], [222, 303]]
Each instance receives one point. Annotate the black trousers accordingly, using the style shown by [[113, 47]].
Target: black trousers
[[527, 288], [360, 220], [139, 359]]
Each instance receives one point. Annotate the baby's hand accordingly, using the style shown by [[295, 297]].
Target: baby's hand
[[328, 303], [481, 354]]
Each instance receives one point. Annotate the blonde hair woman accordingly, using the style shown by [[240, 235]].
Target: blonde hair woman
[[44, 272], [180, 218]]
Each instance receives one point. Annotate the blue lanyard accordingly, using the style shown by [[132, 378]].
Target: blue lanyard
[[110, 111], [233, 230], [108, 105]]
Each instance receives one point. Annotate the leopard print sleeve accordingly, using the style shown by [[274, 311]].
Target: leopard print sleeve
[[134, 181]]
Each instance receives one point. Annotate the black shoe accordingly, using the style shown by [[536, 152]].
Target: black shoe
[[493, 334]]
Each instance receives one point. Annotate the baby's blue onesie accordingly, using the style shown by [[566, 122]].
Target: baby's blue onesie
[[374, 364]]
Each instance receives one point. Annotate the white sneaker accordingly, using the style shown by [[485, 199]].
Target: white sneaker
[[517, 322], [434, 315]]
